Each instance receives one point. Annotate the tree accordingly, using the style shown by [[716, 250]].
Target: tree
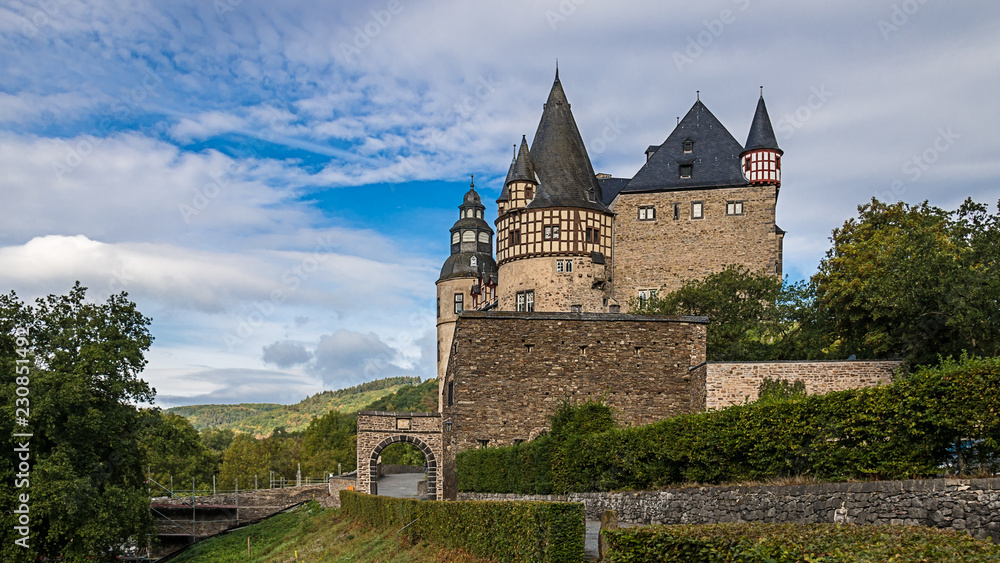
[[175, 451], [753, 315], [913, 282], [329, 440], [245, 458], [80, 363]]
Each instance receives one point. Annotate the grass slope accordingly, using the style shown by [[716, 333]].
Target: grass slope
[[263, 418], [313, 534]]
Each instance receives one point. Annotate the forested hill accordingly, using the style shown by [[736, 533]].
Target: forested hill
[[262, 418]]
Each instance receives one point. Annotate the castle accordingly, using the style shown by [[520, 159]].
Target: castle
[[570, 240], [542, 322]]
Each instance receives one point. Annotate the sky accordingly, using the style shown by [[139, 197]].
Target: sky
[[273, 182]]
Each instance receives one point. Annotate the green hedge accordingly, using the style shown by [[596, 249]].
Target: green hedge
[[793, 543], [945, 416], [505, 531]]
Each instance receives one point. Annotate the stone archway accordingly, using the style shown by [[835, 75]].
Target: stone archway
[[378, 430]]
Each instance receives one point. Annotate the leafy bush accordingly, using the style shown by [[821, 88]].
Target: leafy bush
[[792, 543], [506, 531], [938, 419]]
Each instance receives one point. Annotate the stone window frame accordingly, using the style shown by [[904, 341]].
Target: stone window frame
[[564, 266], [459, 301], [646, 213], [525, 301], [700, 207], [647, 294], [734, 207]]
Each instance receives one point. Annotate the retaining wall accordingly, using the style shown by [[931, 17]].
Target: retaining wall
[[961, 504]]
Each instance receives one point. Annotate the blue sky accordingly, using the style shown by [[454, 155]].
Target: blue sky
[[273, 183]]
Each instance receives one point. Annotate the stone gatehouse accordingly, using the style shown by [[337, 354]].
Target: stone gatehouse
[[378, 430]]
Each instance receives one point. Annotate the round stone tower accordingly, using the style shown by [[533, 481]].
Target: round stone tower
[[553, 229], [468, 278]]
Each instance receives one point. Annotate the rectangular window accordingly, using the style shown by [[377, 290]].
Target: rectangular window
[[483, 443], [734, 208], [697, 210], [459, 299], [526, 301], [529, 192], [515, 237], [677, 211], [647, 213], [646, 294], [551, 232], [686, 170], [451, 392], [564, 266], [591, 235]]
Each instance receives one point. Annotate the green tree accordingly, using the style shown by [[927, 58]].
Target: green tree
[[245, 458], [913, 282], [175, 451], [329, 440], [753, 315], [86, 488]]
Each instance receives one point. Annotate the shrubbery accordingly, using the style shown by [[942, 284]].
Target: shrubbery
[[792, 543], [937, 420], [506, 531]]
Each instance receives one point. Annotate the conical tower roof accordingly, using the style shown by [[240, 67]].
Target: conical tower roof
[[761, 133], [560, 160], [523, 169]]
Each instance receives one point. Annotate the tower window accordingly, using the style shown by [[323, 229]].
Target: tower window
[[473, 262], [734, 208], [479, 213], [647, 213], [525, 301], [529, 192], [686, 170], [697, 210], [484, 237], [552, 232], [688, 145], [564, 266], [515, 237], [469, 236], [459, 299], [455, 237]]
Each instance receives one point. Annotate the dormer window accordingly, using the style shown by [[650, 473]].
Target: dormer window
[[686, 170], [688, 145], [529, 192], [473, 262], [591, 196]]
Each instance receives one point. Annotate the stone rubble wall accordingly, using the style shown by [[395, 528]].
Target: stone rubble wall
[[972, 505], [730, 383]]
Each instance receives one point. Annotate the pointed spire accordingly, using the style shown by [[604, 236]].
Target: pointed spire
[[557, 70], [523, 170], [559, 158], [472, 182], [761, 133]]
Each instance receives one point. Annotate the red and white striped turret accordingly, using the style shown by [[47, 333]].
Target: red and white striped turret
[[761, 158]]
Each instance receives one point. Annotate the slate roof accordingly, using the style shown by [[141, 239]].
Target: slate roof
[[524, 171], [560, 159], [610, 188], [715, 157], [761, 133], [458, 265], [505, 193]]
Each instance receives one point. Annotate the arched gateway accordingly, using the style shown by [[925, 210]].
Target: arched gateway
[[378, 430]]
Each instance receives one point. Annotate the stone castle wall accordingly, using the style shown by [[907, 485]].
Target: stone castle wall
[[509, 371], [664, 253], [555, 291], [730, 383], [960, 504]]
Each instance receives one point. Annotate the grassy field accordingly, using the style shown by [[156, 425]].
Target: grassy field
[[311, 533]]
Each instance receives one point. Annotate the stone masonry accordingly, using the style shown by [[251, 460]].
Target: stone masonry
[[960, 504], [730, 383], [664, 253], [378, 430]]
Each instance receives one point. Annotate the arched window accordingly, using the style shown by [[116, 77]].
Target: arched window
[[454, 237], [484, 237], [468, 236], [473, 262]]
